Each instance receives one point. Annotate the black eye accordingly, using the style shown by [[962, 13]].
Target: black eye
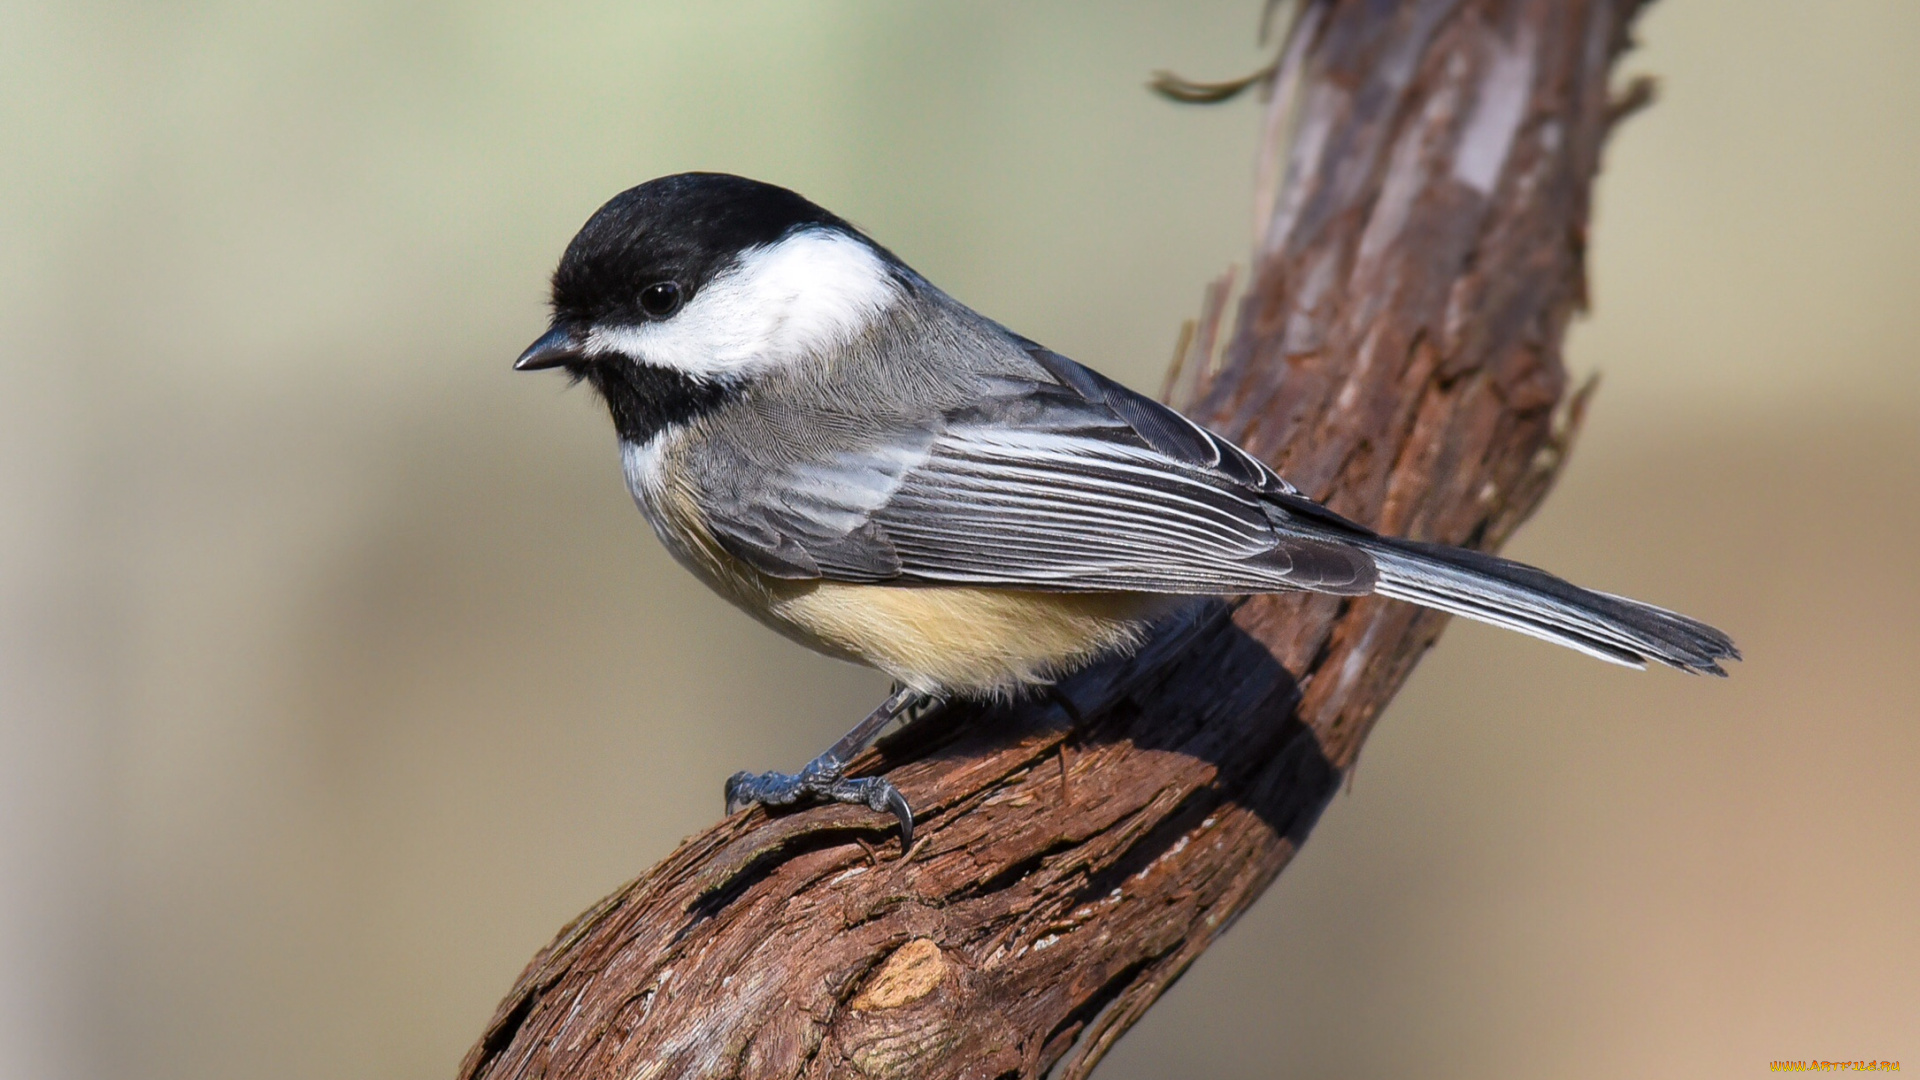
[[660, 299]]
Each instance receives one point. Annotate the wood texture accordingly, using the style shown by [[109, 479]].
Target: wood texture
[[1418, 254]]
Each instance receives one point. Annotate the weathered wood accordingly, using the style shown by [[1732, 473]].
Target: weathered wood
[[1397, 354]]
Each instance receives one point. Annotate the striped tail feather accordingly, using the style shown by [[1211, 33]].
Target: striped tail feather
[[1519, 597]]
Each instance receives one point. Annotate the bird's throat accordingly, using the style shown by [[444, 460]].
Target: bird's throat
[[644, 398]]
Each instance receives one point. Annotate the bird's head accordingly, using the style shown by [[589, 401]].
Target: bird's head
[[698, 282]]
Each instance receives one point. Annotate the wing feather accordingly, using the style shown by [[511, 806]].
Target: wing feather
[[1041, 485], [1066, 481]]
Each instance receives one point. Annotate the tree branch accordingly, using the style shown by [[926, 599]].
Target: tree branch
[[1398, 355]]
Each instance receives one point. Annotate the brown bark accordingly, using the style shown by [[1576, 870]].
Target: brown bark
[[1419, 254]]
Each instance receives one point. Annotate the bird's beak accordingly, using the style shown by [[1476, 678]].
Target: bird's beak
[[557, 347]]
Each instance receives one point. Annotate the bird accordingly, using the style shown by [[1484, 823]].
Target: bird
[[878, 472]]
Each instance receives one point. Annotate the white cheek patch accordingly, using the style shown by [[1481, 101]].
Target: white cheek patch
[[798, 297]]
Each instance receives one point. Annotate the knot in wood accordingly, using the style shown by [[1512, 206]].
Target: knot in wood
[[908, 975]]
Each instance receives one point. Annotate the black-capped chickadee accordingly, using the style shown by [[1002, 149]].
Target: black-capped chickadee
[[880, 473]]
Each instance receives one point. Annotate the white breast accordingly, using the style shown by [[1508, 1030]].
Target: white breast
[[643, 465]]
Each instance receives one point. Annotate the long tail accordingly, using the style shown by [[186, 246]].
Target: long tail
[[1519, 597]]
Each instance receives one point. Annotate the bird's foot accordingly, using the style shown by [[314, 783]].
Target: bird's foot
[[822, 780]]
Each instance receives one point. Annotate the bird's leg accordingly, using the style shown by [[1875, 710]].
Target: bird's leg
[[824, 777]]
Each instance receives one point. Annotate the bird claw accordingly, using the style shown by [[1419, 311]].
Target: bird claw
[[883, 797], [825, 784], [737, 797]]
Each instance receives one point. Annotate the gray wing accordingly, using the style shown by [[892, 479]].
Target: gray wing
[[1072, 483]]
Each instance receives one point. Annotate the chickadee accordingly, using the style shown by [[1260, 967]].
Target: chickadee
[[882, 474]]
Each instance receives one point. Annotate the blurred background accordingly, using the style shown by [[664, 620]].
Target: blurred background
[[337, 671]]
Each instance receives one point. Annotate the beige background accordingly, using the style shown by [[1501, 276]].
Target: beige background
[[336, 671]]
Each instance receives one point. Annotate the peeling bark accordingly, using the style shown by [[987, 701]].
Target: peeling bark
[[1418, 254]]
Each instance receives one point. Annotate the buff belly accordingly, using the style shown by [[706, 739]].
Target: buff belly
[[962, 640], [974, 641]]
